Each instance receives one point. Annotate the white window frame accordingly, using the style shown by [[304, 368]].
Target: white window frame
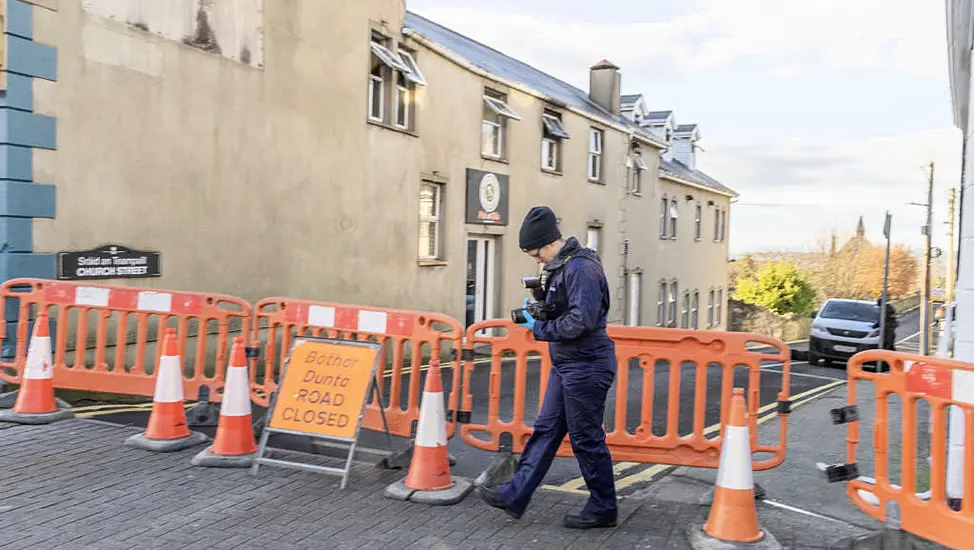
[[674, 300], [695, 310], [595, 146], [716, 225], [685, 310], [636, 172], [634, 291], [723, 225], [373, 80], [710, 309], [549, 154], [661, 305], [664, 219], [403, 104], [698, 222], [435, 219], [503, 112], [413, 74], [718, 316], [593, 233], [551, 138], [674, 214]]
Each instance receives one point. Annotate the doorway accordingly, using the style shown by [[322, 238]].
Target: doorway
[[481, 265]]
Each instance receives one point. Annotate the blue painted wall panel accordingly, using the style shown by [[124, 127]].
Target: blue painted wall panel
[[27, 129], [30, 58], [27, 200], [27, 265], [20, 19], [16, 163], [19, 93], [17, 234]]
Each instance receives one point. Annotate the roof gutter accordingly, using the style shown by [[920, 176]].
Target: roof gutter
[[463, 62], [677, 179]]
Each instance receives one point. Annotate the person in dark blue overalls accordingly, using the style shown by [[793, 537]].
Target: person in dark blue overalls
[[583, 367]]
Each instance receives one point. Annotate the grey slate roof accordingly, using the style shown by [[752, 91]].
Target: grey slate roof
[[630, 99], [511, 69], [682, 171], [508, 68]]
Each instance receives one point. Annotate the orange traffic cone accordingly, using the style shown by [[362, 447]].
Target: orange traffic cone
[[429, 480], [167, 430], [35, 400], [733, 515], [234, 445]]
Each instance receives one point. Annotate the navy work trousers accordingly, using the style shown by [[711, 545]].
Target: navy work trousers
[[574, 403]]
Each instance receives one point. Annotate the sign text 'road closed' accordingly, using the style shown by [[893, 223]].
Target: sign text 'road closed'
[[324, 388]]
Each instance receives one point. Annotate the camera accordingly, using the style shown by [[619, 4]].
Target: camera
[[538, 308]]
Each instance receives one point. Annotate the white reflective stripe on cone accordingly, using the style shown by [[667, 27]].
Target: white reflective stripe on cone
[[169, 380], [735, 460], [432, 421], [39, 359], [236, 393]]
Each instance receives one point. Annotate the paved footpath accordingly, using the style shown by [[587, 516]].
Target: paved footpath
[[74, 485]]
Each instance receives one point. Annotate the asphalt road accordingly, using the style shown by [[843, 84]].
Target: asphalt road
[[806, 381]]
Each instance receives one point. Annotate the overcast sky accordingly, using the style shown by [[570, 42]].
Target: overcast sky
[[816, 112]]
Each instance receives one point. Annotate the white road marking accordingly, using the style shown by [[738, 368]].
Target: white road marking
[[784, 506], [803, 374]]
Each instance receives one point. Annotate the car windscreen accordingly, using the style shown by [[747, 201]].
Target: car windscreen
[[851, 311]]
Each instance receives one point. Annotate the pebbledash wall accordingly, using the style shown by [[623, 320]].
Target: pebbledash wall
[[30, 69]]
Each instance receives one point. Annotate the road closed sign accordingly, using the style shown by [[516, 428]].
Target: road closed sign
[[324, 388]]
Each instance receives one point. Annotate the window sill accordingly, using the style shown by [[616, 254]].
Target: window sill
[[397, 129], [596, 182], [500, 160], [635, 194], [432, 263], [551, 172]]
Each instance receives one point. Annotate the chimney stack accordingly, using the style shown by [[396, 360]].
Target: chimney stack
[[605, 86]]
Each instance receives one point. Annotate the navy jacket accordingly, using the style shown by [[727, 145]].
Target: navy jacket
[[579, 293]]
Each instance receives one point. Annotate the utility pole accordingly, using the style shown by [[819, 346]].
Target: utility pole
[[925, 293], [951, 205], [887, 227]]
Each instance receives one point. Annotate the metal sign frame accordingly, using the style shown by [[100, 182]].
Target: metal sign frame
[[352, 441]]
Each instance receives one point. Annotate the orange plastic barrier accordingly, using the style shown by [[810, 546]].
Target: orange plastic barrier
[[912, 378], [647, 346], [72, 305], [279, 320]]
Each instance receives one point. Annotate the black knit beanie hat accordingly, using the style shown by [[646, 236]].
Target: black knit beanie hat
[[539, 228]]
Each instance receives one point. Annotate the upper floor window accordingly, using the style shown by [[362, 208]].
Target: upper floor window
[[710, 310], [685, 312], [393, 79], [551, 141], [661, 305], [664, 224], [595, 138], [695, 310], [674, 298], [494, 127], [638, 165], [723, 225], [717, 225], [697, 222], [674, 214]]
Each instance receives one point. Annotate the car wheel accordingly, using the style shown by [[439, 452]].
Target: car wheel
[[812, 358], [827, 362]]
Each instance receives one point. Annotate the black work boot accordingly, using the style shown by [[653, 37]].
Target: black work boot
[[578, 521], [492, 497]]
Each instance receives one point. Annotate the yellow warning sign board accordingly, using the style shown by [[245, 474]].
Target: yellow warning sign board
[[324, 388]]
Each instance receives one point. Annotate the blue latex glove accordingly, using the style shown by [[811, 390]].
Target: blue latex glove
[[529, 323]]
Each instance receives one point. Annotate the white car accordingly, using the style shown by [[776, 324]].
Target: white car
[[843, 328]]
